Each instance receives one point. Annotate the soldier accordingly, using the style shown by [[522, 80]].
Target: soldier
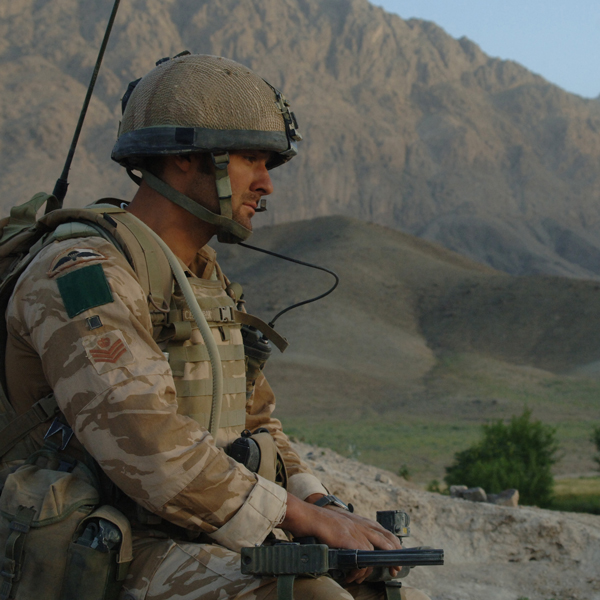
[[131, 373]]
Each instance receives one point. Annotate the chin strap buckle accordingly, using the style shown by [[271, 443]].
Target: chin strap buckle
[[221, 162]]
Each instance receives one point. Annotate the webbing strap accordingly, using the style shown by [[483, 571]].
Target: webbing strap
[[210, 302], [156, 268], [245, 319], [220, 314], [285, 587], [13, 550], [181, 331], [199, 353], [188, 388], [392, 590], [43, 410]]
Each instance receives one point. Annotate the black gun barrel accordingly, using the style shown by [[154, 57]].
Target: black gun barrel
[[409, 557]]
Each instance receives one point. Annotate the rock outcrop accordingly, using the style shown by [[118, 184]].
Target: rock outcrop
[[491, 552]]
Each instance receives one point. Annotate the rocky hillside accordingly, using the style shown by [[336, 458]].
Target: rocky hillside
[[404, 125], [490, 551]]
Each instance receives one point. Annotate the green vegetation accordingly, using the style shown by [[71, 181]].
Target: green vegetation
[[581, 494], [434, 486], [404, 472], [518, 455], [596, 441], [390, 443], [425, 428]]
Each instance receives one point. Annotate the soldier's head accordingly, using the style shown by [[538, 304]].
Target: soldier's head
[[213, 117]]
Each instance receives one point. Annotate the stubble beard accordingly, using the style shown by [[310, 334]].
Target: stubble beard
[[240, 212]]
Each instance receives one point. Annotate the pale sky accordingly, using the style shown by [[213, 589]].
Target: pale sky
[[558, 39]]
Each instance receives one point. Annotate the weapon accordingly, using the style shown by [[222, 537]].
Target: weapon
[[286, 560]]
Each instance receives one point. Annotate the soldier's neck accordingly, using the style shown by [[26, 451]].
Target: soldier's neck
[[181, 231]]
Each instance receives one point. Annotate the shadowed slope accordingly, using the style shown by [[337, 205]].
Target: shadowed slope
[[418, 345]]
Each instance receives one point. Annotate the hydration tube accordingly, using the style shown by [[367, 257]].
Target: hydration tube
[[205, 331]]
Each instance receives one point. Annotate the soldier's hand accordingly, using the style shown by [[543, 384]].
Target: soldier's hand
[[393, 570], [338, 529]]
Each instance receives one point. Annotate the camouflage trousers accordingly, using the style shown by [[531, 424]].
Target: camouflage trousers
[[169, 570]]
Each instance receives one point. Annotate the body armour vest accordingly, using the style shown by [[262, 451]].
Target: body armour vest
[[174, 328], [178, 336], [188, 357]]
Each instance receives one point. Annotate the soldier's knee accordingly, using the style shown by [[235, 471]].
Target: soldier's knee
[[410, 593], [322, 588]]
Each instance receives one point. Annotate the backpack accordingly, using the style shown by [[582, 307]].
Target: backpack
[[54, 538]]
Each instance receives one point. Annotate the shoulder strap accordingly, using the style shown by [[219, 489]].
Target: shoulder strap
[[142, 251], [149, 261], [17, 428]]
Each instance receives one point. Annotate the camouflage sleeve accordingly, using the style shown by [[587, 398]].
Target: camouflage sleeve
[[116, 390], [302, 482]]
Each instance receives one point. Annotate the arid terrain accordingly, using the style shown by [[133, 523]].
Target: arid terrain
[[491, 552], [419, 346]]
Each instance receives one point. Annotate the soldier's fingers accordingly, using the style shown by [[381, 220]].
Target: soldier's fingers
[[393, 543], [358, 575], [382, 541]]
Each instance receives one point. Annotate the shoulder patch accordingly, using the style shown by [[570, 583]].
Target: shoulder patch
[[73, 257], [107, 351], [83, 289]]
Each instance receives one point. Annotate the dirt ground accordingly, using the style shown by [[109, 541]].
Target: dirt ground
[[491, 552]]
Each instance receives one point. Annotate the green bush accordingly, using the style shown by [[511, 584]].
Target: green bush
[[596, 441], [518, 455]]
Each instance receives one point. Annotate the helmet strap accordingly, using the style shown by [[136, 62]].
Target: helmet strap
[[135, 178], [221, 162], [228, 231]]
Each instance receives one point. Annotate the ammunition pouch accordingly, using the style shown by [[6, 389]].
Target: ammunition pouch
[[53, 538], [258, 453]]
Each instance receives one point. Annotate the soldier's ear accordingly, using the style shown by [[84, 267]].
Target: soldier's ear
[[183, 162]]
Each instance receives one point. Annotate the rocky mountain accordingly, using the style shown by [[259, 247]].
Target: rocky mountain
[[404, 125]]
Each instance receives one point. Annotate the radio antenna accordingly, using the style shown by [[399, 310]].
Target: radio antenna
[[60, 188]]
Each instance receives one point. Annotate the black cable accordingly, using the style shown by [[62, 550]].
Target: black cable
[[298, 262], [60, 189]]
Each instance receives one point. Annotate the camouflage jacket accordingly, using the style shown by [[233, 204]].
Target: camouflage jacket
[[117, 391]]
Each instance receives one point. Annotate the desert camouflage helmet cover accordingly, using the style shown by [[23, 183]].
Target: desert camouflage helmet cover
[[201, 103]]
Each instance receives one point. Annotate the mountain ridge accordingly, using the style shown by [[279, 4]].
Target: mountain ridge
[[404, 125]]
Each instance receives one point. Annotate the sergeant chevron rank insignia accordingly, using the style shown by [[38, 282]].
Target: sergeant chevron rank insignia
[[107, 351]]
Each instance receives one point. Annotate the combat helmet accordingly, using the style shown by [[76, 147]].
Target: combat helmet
[[202, 103]]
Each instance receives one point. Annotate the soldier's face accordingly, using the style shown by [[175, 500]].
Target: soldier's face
[[250, 180]]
